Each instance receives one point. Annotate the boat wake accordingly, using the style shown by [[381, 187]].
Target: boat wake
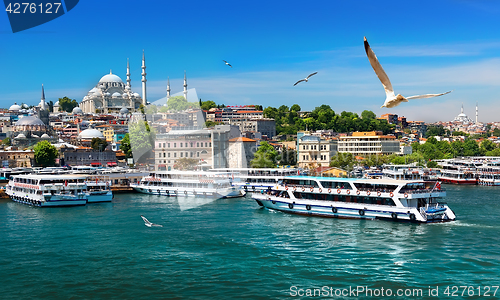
[[149, 224]]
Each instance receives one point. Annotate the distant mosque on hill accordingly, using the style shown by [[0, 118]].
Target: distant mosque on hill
[[112, 95], [464, 119]]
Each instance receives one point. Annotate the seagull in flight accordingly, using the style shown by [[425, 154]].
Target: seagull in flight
[[391, 99], [306, 79], [149, 224], [227, 63]]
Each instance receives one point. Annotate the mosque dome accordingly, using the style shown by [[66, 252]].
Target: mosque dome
[[90, 133], [116, 95], [45, 136], [77, 111], [136, 95], [15, 107], [107, 94], [124, 111], [29, 121], [20, 136], [57, 103], [110, 78]]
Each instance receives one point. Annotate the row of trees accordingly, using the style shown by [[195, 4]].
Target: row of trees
[[323, 117], [267, 157]]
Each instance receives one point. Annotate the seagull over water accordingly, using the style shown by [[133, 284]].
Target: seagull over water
[[227, 63], [306, 79], [391, 99]]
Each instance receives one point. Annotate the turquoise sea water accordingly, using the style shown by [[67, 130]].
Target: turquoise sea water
[[233, 249]]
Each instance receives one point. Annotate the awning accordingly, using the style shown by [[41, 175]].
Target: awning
[[95, 164], [112, 163]]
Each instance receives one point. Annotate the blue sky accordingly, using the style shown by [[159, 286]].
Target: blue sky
[[424, 47]]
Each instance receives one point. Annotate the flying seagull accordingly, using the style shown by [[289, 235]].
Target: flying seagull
[[306, 79], [149, 224], [391, 99], [227, 63]]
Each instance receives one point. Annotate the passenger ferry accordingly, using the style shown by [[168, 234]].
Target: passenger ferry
[[99, 189], [462, 176], [398, 200], [47, 190], [188, 183], [252, 179]]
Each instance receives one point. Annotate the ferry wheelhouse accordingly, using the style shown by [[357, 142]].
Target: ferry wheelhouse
[[398, 200], [188, 183], [47, 190], [252, 179]]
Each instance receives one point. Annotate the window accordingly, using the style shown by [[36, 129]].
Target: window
[[206, 144], [181, 153], [175, 145], [168, 145], [163, 154], [197, 144], [168, 154], [175, 154], [186, 144], [197, 154], [163, 145]]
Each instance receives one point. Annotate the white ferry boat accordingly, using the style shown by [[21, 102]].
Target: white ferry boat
[[47, 190], [188, 183], [252, 179], [398, 200], [99, 189]]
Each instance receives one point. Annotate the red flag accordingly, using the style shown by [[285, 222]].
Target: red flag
[[438, 185], [65, 183]]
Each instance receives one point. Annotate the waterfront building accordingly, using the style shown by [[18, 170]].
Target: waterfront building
[[241, 152], [89, 157], [17, 158], [368, 143], [315, 151]]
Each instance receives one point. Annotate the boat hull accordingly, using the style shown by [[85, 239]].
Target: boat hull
[[348, 210], [96, 197], [458, 181]]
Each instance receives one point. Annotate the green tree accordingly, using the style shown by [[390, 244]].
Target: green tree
[[66, 104], [288, 157], [151, 109], [98, 144], [45, 154], [6, 141], [496, 132], [163, 109], [486, 146], [141, 140], [295, 108], [259, 107], [125, 146], [209, 123], [368, 115], [265, 157], [344, 161], [206, 105], [179, 103]]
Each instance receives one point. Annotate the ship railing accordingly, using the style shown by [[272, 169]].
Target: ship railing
[[422, 191], [423, 213]]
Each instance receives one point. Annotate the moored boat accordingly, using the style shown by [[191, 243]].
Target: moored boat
[[188, 183], [98, 189], [47, 190], [398, 200]]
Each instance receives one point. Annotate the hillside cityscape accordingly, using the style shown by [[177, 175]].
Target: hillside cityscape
[[114, 126]]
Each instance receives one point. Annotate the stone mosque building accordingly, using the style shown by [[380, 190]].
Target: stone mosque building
[[111, 94]]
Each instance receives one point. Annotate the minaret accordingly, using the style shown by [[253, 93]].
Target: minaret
[[185, 86], [42, 102], [476, 114], [462, 111], [128, 74], [144, 100], [168, 88]]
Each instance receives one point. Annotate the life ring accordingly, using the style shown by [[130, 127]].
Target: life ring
[[358, 192], [329, 191], [303, 188], [412, 217], [391, 194], [204, 193], [294, 188], [368, 193], [348, 192], [312, 189], [406, 195], [338, 191], [308, 207], [320, 190], [150, 190], [185, 192], [379, 193], [286, 188], [361, 212], [245, 187], [194, 193], [290, 205], [394, 215], [253, 187], [334, 210]]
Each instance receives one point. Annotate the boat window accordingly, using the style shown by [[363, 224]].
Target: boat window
[[344, 198]]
